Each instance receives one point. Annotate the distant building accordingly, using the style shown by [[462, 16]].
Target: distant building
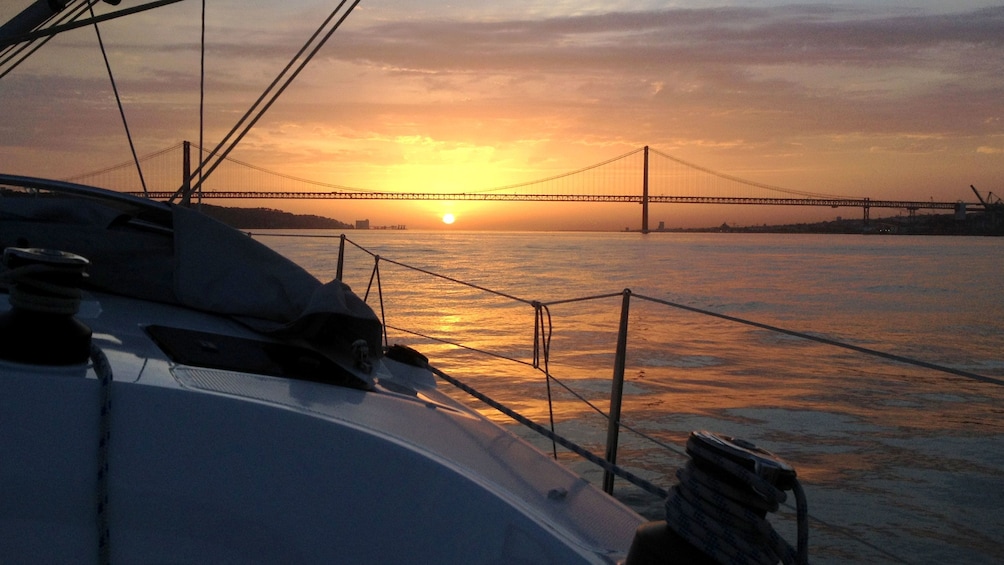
[[662, 226], [362, 224]]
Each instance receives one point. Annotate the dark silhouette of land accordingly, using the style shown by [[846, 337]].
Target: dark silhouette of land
[[977, 223], [268, 218], [927, 224]]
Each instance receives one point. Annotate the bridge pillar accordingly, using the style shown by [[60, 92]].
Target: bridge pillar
[[644, 194], [867, 209], [186, 174]]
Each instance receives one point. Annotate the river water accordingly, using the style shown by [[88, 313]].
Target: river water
[[901, 464]]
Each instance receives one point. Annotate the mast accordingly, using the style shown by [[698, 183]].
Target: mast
[[31, 17], [23, 26]]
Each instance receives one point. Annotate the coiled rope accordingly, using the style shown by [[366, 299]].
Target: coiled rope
[[724, 514], [542, 331], [29, 291]]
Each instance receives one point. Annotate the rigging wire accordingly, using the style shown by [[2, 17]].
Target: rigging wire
[[118, 99], [202, 94], [255, 113]]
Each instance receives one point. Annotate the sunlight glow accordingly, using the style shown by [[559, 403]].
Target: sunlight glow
[[448, 218]]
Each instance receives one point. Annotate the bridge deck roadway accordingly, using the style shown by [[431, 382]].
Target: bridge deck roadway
[[830, 202]]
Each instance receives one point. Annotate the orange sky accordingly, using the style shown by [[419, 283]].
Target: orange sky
[[832, 97]]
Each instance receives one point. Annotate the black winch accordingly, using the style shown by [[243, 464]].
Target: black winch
[[41, 327], [717, 512]]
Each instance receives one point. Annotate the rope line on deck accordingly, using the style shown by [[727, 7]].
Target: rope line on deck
[[103, 370]]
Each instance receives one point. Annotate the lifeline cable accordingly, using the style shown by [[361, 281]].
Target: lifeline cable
[[579, 397], [566, 443], [828, 341]]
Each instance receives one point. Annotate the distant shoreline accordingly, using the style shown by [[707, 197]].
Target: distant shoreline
[[933, 224], [268, 218]]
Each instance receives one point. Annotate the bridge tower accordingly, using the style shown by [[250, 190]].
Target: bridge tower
[[186, 174], [644, 194]]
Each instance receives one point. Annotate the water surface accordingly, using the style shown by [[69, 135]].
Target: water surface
[[900, 463]]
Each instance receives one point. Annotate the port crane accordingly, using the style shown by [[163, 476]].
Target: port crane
[[993, 208], [990, 200]]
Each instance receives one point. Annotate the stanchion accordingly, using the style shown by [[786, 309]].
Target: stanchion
[[616, 392]]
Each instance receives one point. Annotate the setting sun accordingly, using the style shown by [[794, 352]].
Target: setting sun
[[448, 218]]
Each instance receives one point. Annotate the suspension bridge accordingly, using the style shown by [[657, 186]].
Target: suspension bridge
[[643, 176]]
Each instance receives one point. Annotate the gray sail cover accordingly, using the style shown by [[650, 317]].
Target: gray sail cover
[[200, 263]]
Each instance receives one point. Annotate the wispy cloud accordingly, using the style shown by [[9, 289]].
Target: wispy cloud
[[794, 87], [813, 67], [739, 36]]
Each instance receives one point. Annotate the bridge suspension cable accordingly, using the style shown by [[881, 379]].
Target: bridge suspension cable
[[746, 182], [667, 179], [563, 175], [614, 177]]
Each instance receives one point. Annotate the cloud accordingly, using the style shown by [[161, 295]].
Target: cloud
[[797, 64], [742, 36], [785, 84]]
